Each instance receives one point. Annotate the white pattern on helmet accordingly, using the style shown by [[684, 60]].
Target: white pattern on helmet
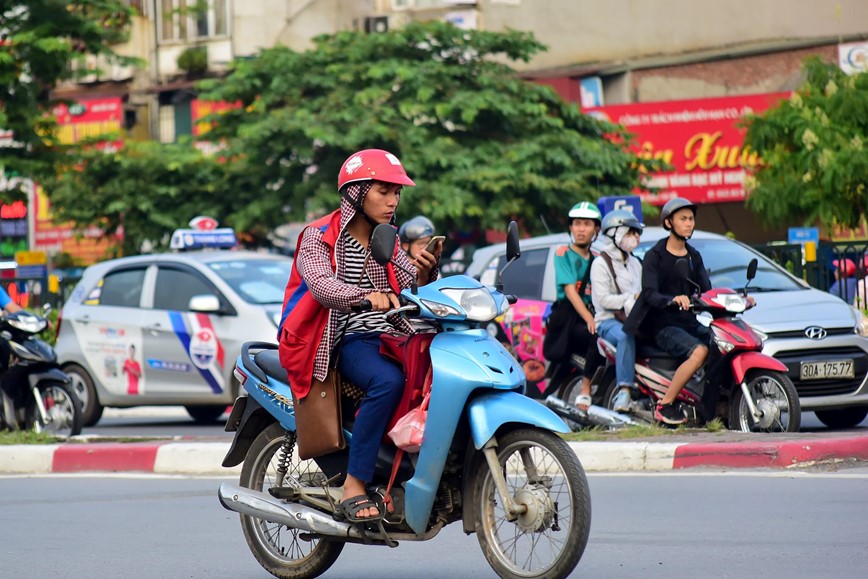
[[354, 164], [393, 159]]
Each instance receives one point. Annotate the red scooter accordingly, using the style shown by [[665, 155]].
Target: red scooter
[[752, 390]]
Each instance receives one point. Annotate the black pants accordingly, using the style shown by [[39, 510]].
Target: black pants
[[567, 334]]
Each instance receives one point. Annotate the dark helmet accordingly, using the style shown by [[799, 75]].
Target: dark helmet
[[620, 217], [673, 205], [416, 228]]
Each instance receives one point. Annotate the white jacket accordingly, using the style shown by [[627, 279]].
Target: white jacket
[[607, 300]]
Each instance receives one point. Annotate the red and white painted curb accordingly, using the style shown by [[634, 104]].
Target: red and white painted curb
[[205, 458]]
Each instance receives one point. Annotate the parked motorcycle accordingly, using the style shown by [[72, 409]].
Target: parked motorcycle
[[36, 394], [490, 458], [753, 391]]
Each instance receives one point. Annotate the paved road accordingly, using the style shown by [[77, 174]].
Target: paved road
[[778, 525]]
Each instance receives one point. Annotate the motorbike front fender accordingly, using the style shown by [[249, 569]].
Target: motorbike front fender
[[52, 374], [747, 361], [489, 412]]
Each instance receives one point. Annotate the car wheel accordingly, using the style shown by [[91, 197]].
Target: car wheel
[[843, 418], [82, 384], [206, 414]]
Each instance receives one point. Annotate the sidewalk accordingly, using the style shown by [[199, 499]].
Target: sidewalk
[[728, 450]]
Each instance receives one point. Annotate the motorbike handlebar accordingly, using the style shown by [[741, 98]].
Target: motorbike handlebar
[[362, 306]]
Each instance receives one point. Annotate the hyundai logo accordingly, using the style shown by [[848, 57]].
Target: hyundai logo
[[815, 333]]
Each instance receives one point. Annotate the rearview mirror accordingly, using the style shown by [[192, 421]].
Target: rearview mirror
[[751, 269], [513, 250], [383, 243], [682, 268]]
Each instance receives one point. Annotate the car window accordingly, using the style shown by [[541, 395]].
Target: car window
[[119, 288], [175, 287], [727, 264], [257, 281], [524, 278]]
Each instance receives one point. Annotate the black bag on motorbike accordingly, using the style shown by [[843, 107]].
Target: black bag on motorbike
[[319, 419]]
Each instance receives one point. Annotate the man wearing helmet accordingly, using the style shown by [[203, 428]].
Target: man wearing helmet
[[570, 327], [415, 235], [676, 331], [332, 273], [616, 281]]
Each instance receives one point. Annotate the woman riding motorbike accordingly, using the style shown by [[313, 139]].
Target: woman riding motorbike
[[332, 273]]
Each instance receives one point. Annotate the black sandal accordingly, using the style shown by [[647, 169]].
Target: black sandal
[[348, 509]]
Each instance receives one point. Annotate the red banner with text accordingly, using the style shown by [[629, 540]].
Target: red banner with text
[[700, 139]]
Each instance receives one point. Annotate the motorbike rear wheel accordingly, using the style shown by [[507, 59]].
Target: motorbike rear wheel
[[280, 550], [774, 394], [543, 473], [62, 408]]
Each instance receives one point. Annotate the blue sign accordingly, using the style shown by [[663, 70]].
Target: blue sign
[[628, 202], [31, 271], [591, 92], [803, 235]]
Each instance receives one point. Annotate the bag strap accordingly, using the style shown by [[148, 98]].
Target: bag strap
[[608, 259]]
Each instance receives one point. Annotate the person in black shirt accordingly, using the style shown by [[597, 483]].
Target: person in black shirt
[[675, 330]]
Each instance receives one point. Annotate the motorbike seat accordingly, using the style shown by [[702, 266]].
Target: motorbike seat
[[269, 362], [650, 350]]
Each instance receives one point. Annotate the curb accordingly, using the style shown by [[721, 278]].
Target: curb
[[205, 458]]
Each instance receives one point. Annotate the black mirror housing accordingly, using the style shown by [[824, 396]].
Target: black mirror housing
[[383, 243]]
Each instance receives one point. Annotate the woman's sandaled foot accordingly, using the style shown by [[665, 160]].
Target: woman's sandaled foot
[[583, 401], [358, 509]]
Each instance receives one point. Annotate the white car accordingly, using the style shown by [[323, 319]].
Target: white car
[[165, 329]]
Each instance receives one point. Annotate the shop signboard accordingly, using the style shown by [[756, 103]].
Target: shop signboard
[[700, 139]]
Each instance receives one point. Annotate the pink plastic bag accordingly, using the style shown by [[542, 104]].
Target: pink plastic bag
[[408, 431]]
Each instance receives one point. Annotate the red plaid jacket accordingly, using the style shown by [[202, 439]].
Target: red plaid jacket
[[317, 287]]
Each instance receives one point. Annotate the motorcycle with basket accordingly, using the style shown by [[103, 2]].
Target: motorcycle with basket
[[490, 459]]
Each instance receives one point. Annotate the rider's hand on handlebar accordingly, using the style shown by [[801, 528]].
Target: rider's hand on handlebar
[[383, 301], [683, 302]]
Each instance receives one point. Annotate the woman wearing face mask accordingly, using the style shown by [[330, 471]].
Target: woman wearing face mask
[[616, 281]]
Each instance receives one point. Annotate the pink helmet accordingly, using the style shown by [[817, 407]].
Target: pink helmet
[[848, 267], [373, 164]]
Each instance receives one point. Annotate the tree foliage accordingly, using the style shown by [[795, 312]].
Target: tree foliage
[[39, 40], [482, 145], [147, 188], [814, 149]]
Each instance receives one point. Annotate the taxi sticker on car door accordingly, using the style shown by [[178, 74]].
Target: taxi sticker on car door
[[202, 346]]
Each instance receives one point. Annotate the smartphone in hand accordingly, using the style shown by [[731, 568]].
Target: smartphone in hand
[[432, 245]]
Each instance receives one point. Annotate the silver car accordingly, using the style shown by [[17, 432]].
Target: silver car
[[165, 329], [822, 340]]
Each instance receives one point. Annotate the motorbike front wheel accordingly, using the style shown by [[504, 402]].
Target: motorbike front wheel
[[775, 397], [280, 550], [62, 410], [542, 473]]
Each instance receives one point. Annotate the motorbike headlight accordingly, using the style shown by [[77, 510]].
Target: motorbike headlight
[[861, 323], [440, 310], [478, 304], [29, 324], [731, 302]]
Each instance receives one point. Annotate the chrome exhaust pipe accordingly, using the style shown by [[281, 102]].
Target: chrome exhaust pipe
[[263, 506], [596, 415]]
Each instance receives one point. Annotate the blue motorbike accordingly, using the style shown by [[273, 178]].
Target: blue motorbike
[[490, 457]]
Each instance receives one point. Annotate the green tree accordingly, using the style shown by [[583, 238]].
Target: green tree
[[483, 145], [39, 40], [148, 189], [813, 147]]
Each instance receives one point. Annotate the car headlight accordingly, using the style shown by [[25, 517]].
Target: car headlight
[[731, 302], [478, 304], [761, 336], [861, 323]]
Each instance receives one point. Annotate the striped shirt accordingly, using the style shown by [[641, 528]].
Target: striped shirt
[[360, 322]]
